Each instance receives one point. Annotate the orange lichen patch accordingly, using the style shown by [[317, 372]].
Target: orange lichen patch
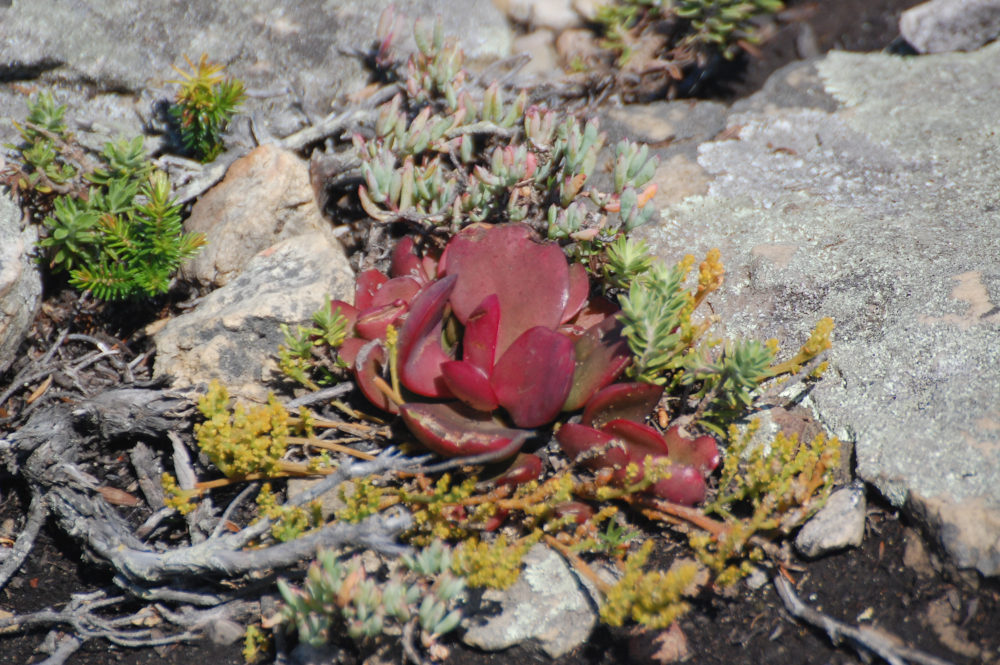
[[779, 254], [981, 309]]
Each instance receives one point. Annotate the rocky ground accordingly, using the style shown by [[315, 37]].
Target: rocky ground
[[846, 185]]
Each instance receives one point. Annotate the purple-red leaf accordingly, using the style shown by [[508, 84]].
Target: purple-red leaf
[[469, 384], [685, 485], [701, 452], [406, 263], [420, 352], [628, 401], [373, 322], [455, 430], [579, 291], [350, 312], [525, 468], [367, 285], [367, 358], [530, 279], [640, 440], [601, 355], [396, 291], [479, 343], [576, 440], [532, 379]]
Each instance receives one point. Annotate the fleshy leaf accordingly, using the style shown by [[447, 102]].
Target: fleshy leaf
[[395, 291], [532, 287], [579, 291], [470, 384], [420, 352], [640, 440], [576, 440], [349, 312], [367, 358], [685, 485], [406, 263], [373, 322], [525, 468], [628, 401], [367, 285], [596, 310], [601, 355], [701, 452], [479, 343], [453, 429], [532, 379]]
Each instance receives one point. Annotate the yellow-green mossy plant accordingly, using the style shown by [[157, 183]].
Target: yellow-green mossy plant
[[654, 599]]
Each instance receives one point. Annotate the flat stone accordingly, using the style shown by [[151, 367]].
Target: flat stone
[[546, 604], [233, 334], [265, 197], [940, 26], [20, 280], [293, 57], [838, 524], [882, 213], [540, 46]]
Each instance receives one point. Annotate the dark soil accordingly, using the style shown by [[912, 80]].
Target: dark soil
[[890, 583]]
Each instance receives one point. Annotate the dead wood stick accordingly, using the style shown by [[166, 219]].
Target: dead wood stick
[[865, 641]]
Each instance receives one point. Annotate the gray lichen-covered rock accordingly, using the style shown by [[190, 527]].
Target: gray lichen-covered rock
[[880, 210], [233, 334], [940, 26], [265, 197], [546, 604], [294, 57], [20, 280]]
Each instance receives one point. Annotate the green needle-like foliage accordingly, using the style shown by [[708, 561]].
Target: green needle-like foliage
[[205, 104], [112, 225], [135, 246]]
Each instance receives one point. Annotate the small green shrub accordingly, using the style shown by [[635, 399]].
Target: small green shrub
[[111, 224], [204, 106]]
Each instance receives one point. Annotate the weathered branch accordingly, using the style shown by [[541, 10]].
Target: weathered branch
[[881, 644]]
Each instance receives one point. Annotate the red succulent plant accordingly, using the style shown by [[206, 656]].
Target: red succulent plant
[[499, 336]]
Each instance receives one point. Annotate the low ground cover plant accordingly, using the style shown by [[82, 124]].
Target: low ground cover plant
[[516, 327], [109, 220]]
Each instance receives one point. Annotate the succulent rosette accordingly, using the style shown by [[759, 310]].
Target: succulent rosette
[[497, 337]]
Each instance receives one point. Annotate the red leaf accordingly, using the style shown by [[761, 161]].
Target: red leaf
[[628, 401], [640, 440], [406, 262], [530, 279], [685, 485], [420, 352], [479, 343], [601, 354], [350, 312], [455, 430], [532, 379], [373, 322], [469, 384], [579, 291], [525, 468], [596, 309], [576, 440], [368, 360], [398, 290], [367, 284], [701, 452]]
